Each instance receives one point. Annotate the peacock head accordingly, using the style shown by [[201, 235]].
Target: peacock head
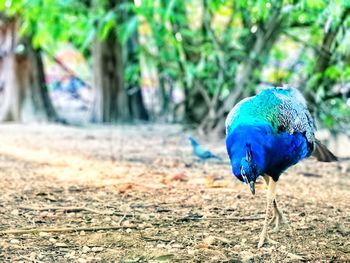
[[248, 169], [193, 141]]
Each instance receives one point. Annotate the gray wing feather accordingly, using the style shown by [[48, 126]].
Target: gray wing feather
[[294, 115]]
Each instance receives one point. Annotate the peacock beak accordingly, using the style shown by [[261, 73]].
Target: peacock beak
[[252, 187]]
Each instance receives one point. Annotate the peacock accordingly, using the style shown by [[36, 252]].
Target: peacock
[[266, 134], [201, 152]]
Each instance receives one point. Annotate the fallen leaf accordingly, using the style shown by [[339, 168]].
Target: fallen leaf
[[123, 188], [165, 257], [210, 240], [201, 246], [182, 177], [295, 257], [215, 182]]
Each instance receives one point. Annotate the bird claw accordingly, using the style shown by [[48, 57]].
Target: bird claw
[[265, 238], [279, 219], [261, 242], [273, 219]]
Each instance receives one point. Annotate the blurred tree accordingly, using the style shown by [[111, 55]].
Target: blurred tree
[[116, 64], [110, 98], [133, 79], [216, 51], [208, 61], [97, 30], [25, 96]]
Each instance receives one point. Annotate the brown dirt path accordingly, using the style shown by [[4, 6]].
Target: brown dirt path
[[162, 204]]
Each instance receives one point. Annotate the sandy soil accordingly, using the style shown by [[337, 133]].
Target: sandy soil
[[136, 194]]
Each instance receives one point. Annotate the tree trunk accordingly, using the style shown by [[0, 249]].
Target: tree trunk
[[136, 104], [110, 98], [25, 97]]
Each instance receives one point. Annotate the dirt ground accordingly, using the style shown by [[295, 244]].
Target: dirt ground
[[136, 194]]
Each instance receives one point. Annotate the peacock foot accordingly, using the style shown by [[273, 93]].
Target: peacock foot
[[264, 238], [279, 220]]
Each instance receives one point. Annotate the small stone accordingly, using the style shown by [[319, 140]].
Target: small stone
[[107, 219], [97, 249], [32, 255], [141, 226], [296, 257], [246, 256], [191, 252], [15, 212], [14, 241], [86, 249], [237, 247], [210, 240], [82, 233], [161, 246], [90, 259], [144, 217], [207, 197], [202, 234], [81, 260], [44, 234], [61, 244], [52, 240], [177, 245], [228, 232], [168, 247], [148, 225], [127, 223], [223, 240], [128, 230], [70, 255]]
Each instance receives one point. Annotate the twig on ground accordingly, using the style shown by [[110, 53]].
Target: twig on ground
[[234, 218], [122, 219], [30, 259], [124, 215], [67, 209], [129, 184], [63, 229], [156, 239]]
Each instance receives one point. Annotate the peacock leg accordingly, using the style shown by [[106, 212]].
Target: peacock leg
[[271, 195], [275, 208], [275, 215], [278, 217]]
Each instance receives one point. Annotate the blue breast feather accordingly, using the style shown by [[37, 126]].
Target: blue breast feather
[[273, 152]]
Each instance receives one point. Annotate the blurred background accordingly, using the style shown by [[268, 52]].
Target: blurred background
[[97, 102], [170, 61]]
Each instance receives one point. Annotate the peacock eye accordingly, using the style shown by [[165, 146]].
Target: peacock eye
[[242, 171], [243, 174]]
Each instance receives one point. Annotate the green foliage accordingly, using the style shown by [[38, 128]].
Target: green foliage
[[212, 46], [50, 21]]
